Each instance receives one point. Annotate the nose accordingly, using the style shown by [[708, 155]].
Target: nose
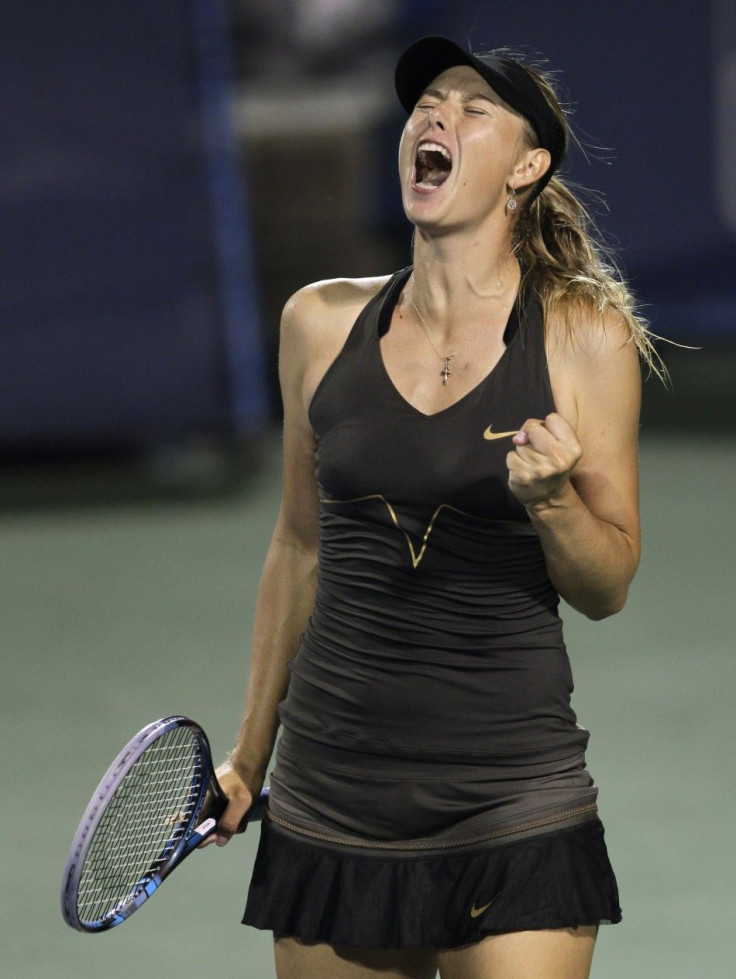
[[435, 119]]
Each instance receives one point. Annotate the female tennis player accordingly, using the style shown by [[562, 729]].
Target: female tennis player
[[460, 447]]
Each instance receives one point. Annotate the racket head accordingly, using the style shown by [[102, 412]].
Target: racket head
[[138, 824]]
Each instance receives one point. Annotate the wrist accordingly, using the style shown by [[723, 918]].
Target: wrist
[[249, 766], [564, 499]]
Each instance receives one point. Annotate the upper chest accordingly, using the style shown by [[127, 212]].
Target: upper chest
[[432, 376]]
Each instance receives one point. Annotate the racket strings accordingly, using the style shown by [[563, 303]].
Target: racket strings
[[144, 821]]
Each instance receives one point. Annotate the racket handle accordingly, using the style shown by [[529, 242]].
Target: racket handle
[[255, 814], [257, 811], [217, 802]]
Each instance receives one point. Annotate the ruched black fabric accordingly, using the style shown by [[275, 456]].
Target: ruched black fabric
[[435, 632], [409, 802]]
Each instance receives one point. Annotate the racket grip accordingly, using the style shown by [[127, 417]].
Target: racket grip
[[257, 811], [217, 804]]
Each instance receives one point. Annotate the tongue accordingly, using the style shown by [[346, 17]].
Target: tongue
[[435, 178], [432, 169]]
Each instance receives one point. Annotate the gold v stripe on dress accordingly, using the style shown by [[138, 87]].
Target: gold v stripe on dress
[[416, 556]]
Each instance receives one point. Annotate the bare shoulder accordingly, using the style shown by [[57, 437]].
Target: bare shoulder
[[584, 334], [315, 325], [331, 302], [593, 364]]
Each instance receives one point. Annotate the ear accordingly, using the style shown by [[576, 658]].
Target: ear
[[531, 165]]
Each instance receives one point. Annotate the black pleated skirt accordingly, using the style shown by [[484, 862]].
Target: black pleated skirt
[[315, 890]]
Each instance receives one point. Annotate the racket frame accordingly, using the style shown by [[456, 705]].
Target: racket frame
[[191, 836]]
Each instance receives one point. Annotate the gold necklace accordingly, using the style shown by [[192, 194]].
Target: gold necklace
[[446, 373]]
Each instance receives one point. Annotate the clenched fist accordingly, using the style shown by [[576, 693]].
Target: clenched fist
[[545, 455]]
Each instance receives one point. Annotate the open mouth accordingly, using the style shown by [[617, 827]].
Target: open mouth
[[432, 166]]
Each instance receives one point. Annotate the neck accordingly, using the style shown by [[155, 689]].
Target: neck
[[458, 282]]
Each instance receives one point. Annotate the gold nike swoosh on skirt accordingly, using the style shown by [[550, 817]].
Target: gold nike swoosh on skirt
[[489, 435], [476, 912]]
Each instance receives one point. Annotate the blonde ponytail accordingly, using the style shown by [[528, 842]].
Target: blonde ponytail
[[558, 245]]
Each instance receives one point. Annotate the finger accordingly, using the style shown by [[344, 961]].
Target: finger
[[527, 462], [215, 836], [530, 454], [539, 436], [535, 461], [219, 837], [221, 834], [228, 823], [231, 819], [553, 439], [560, 428], [523, 435], [520, 465], [534, 433]]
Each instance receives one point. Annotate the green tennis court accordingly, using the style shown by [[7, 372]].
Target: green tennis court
[[118, 611]]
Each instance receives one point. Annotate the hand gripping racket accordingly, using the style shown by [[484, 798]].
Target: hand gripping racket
[[144, 818]]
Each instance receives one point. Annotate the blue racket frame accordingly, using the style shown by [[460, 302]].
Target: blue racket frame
[[192, 834]]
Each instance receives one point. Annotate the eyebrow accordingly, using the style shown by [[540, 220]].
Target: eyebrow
[[467, 97]]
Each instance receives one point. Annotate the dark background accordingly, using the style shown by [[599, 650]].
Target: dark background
[[171, 172]]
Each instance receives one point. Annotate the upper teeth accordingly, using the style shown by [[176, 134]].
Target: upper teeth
[[431, 147]]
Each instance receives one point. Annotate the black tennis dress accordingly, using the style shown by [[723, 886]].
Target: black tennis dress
[[430, 784]]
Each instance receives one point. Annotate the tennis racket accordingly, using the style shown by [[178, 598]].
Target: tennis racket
[[146, 815]]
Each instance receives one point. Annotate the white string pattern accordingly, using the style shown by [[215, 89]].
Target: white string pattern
[[143, 823]]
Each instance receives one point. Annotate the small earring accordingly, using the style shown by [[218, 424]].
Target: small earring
[[512, 203]]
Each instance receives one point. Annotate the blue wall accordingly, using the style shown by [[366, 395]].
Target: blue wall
[[119, 268], [128, 304]]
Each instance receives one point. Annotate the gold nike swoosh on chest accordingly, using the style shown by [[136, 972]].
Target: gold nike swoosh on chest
[[489, 435]]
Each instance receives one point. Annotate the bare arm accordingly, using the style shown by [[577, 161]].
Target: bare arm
[[576, 470], [288, 584], [314, 326]]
